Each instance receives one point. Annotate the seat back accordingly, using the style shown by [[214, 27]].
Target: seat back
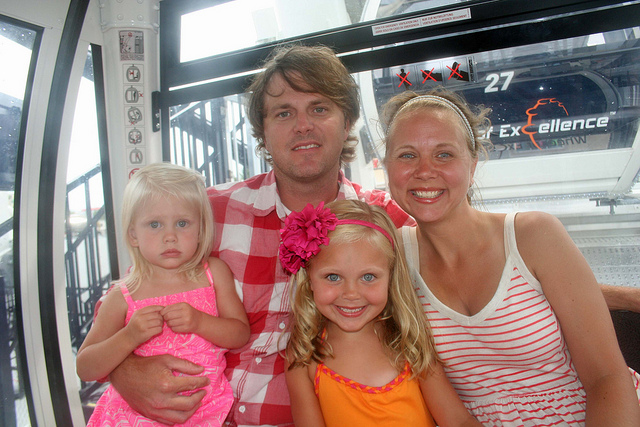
[[627, 326]]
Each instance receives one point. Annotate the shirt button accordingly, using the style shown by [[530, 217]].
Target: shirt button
[[258, 359], [282, 325], [242, 409]]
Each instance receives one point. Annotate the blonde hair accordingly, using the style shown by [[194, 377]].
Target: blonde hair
[[158, 181], [474, 121], [406, 335]]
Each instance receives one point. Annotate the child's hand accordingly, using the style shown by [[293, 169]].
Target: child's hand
[[145, 323], [181, 317]]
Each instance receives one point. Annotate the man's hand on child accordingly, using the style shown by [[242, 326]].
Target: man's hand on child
[[167, 397]]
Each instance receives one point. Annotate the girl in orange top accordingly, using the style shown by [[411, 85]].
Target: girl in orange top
[[361, 351]]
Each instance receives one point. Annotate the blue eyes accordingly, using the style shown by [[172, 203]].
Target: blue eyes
[[180, 224], [413, 156], [368, 277]]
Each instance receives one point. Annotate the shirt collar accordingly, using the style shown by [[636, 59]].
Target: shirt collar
[[346, 190], [268, 193], [264, 204]]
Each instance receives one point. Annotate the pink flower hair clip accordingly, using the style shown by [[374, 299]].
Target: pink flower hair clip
[[305, 231], [302, 235]]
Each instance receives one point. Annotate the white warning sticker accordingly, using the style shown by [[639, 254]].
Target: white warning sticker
[[424, 21]]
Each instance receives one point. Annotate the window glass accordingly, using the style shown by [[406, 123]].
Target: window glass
[[564, 132], [86, 244], [554, 105], [395, 7], [555, 97], [16, 50], [240, 24], [214, 137], [551, 103]]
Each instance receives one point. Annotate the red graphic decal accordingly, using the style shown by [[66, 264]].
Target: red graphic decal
[[454, 71], [531, 113], [404, 78], [427, 75]]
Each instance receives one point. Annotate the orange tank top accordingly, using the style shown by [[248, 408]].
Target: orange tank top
[[347, 403]]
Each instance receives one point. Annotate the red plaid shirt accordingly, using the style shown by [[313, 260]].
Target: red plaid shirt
[[248, 217]]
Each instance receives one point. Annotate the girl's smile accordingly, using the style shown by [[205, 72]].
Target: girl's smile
[[350, 284]]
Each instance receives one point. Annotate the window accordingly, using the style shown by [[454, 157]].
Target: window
[[18, 48], [240, 24], [561, 79], [215, 138], [554, 105], [87, 259]]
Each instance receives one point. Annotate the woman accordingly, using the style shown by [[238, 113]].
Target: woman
[[496, 287]]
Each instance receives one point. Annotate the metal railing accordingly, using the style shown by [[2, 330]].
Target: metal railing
[[214, 138], [87, 265]]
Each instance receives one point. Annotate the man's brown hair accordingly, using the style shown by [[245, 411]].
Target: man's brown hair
[[310, 69]]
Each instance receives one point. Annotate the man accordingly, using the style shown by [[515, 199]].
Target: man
[[302, 109]]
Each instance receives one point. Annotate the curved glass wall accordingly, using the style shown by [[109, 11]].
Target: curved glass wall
[[87, 263], [18, 45]]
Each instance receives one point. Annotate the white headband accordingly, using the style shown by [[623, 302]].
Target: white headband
[[442, 101]]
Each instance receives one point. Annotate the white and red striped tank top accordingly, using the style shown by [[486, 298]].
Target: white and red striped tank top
[[509, 363]]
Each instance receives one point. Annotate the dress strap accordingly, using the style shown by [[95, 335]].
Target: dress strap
[[320, 365], [316, 378], [126, 294], [510, 234], [207, 271], [412, 254], [511, 251], [409, 240]]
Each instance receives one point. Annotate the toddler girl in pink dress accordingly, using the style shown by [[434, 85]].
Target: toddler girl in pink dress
[[170, 302]]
